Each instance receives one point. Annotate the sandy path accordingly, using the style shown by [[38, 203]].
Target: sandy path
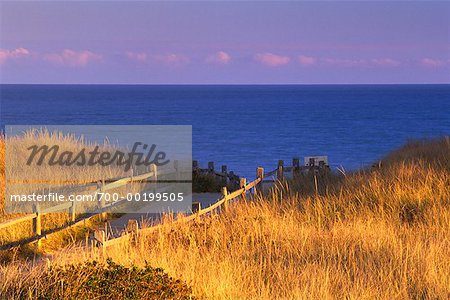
[[116, 226]]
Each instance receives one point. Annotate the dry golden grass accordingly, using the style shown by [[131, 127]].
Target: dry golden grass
[[17, 152], [383, 234], [2, 174]]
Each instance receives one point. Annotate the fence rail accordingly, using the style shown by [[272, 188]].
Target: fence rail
[[226, 197]]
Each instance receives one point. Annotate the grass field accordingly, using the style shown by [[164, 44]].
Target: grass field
[[375, 234], [17, 153]]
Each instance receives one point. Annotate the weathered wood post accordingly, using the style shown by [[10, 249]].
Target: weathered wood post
[[211, 167], [259, 174], [232, 178], [243, 185], [295, 167], [101, 198], [224, 175], [154, 177], [312, 165], [72, 211], [280, 170], [37, 223], [225, 194], [316, 185]]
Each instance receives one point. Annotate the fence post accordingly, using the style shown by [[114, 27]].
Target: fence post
[[225, 194], [232, 179], [259, 174], [280, 170], [72, 211], [154, 170], [225, 175], [243, 184], [316, 185], [101, 198], [295, 167], [312, 165], [37, 223], [211, 167]]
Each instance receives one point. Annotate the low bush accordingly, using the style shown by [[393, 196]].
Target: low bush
[[93, 280]]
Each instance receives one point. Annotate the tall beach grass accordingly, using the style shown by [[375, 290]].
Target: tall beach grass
[[374, 234]]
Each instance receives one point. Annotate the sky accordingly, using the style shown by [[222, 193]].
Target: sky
[[225, 42]]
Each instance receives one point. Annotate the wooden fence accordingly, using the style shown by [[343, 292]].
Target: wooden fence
[[102, 186], [225, 176], [295, 170], [132, 230], [100, 236]]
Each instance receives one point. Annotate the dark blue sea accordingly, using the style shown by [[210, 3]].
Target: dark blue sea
[[246, 126]]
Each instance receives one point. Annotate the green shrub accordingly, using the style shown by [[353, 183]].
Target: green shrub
[[93, 280]]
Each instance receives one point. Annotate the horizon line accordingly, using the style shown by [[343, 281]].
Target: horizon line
[[227, 84]]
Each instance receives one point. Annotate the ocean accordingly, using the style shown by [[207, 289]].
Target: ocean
[[244, 126]]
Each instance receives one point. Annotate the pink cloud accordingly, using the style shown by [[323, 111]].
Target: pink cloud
[[307, 60], [387, 62], [73, 58], [172, 59], [430, 62], [271, 60], [220, 57], [13, 54], [137, 56]]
